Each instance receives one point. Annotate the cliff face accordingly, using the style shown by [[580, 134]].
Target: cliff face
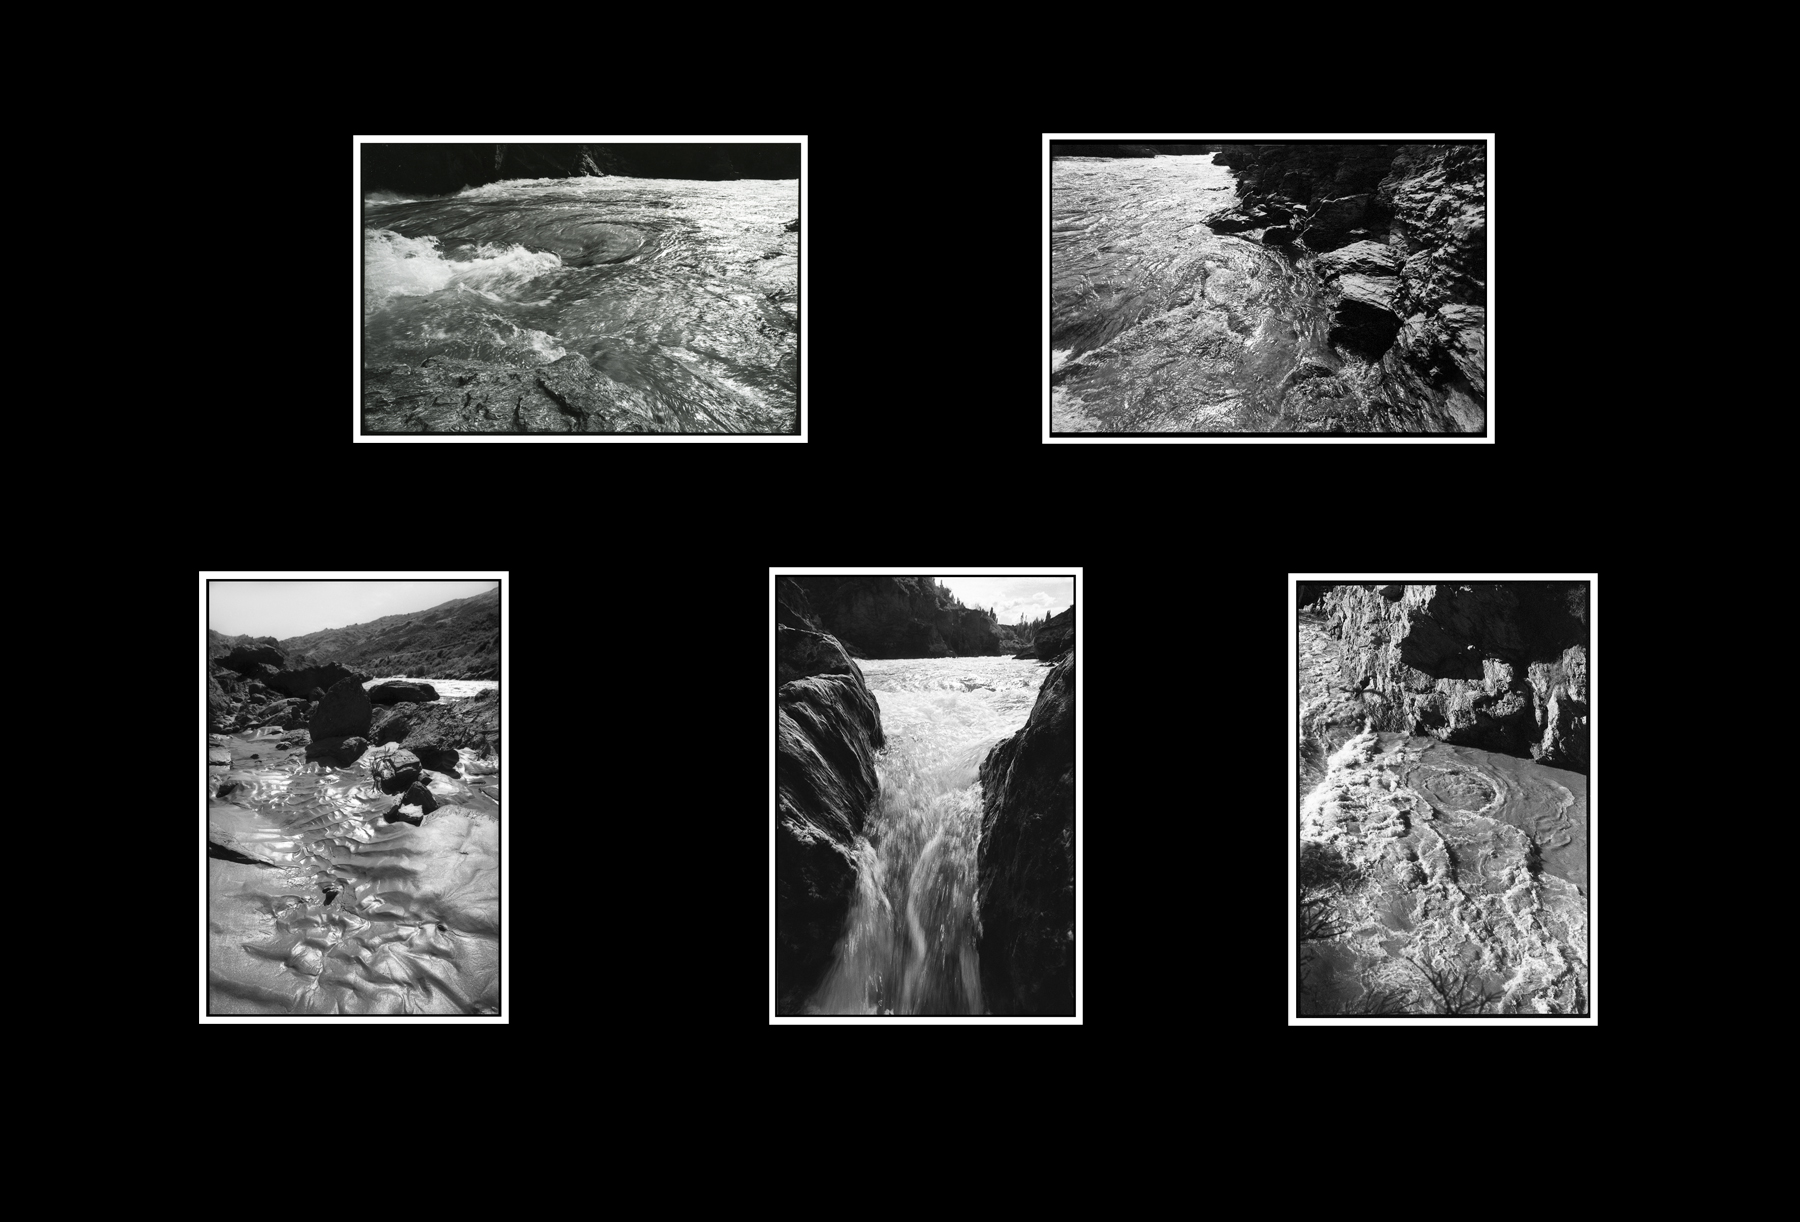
[[895, 617], [1026, 872], [827, 729], [1056, 636], [1498, 666], [440, 168], [1414, 293]]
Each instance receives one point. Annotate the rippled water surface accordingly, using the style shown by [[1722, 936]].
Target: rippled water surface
[[342, 912], [686, 292], [909, 946], [1158, 324]]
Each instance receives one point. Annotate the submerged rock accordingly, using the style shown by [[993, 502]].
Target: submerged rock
[[1027, 859]]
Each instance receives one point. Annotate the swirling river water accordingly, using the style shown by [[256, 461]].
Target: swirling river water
[[1158, 324], [685, 293], [318, 905], [909, 946]]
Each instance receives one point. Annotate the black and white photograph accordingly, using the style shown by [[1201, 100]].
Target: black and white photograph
[[926, 847], [1445, 846], [353, 839], [1317, 288], [568, 291]]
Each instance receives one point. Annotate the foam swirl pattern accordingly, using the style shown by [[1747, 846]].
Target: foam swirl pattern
[[343, 912], [1472, 861]]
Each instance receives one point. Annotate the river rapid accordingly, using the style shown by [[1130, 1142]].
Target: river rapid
[[1157, 324], [685, 293], [909, 945]]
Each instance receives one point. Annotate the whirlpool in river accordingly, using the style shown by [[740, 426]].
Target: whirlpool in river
[[1158, 324], [909, 945], [684, 293]]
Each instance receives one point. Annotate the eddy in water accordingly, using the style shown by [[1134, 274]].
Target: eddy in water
[[583, 305], [909, 945]]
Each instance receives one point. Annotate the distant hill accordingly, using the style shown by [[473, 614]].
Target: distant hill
[[218, 644], [459, 639]]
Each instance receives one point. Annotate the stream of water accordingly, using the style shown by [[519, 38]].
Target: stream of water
[[1157, 324], [909, 946]]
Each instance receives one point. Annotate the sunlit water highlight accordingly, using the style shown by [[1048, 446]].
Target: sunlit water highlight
[[685, 292], [909, 946]]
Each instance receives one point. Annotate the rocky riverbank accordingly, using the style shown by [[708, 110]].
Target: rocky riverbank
[[1402, 230]]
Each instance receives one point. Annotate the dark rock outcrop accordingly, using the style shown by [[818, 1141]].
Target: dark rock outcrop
[[1057, 636], [1026, 873], [445, 724], [340, 751], [792, 608], [899, 617], [1331, 220], [1499, 666], [343, 713], [793, 226], [250, 659], [285, 714], [1281, 235], [827, 728], [397, 771], [1365, 323], [435, 754], [311, 681], [419, 796], [395, 691]]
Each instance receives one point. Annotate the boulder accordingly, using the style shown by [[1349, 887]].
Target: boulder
[[340, 751], [388, 726], [251, 657], [343, 712], [1281, 235], [1026, 869], [1365, 322], [419, 796], [395, 691], [1362, 258], [308, 679], [451, 724], [397, 771], [435, 755]]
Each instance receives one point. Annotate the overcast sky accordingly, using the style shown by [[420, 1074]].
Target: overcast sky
[[1014, 598], [295, 608]]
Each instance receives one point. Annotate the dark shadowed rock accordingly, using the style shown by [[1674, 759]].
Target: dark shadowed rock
[[305, 680], [1365, 322], [249, 658], [1332, 219], [397, 771], [419, 796], [792, 607], [343, 712], [284, 714], [435, 755], [340, 751], [827, 729], [1361, 258], [1026, 874], [799, 653], [1057, 636], [396, 691], [1278, 236]]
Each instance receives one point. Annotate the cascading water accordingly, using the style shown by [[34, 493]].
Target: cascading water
[[909, 945]]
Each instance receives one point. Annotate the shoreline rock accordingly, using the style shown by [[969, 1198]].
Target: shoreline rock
[[1026, 872]]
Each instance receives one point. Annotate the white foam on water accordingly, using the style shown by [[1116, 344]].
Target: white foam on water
[[399, 266]]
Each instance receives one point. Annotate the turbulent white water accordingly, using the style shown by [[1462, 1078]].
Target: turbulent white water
[[909, 946], [447, 689]]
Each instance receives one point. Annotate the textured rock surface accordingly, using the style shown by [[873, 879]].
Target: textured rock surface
[[305, 681], [1471, 664], [898, 617], [344, 711], [1365, 323], [249, 659], [459, 723], [285, 714], [1056, 636], [1426, 206], [395, 772], [827, 729], [1454, 862], [1026, 874], [394, 692]]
